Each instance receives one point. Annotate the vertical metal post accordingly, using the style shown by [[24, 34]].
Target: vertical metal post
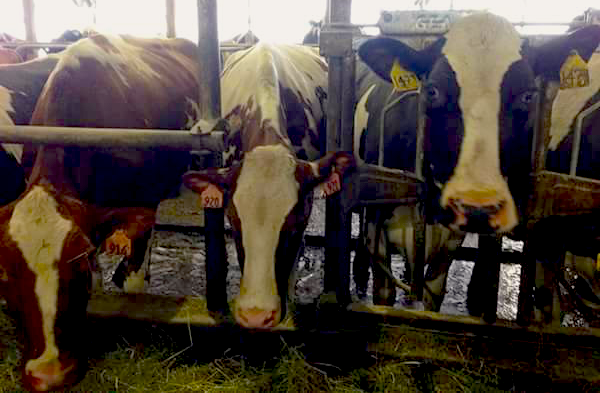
[[208, 54], [539, 131], [29, 19], [340, 119], [210, 109], [170, 15]]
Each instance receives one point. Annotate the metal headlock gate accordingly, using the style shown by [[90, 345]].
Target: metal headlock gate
[[378, 185], [369, 185]]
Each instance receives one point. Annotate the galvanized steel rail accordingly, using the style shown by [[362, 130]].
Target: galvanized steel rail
[[113, 138]]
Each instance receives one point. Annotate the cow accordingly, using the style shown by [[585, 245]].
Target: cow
[[478, 92], [273, 97], [20, 87], [243, 39], [79, 200], [570, 257]]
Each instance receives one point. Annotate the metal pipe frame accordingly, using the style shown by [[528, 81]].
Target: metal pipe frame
[[577, 136], [170, 18], [113, 138], [386, 108], [209, 56]]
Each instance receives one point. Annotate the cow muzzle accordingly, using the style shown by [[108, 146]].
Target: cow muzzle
[[481, 212], [254, 318], [51, 375]]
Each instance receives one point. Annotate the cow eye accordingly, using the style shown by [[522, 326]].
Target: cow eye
[[432, 93], [433, 96], [527, 97]]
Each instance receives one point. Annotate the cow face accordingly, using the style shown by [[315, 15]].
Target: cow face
[[478, 93], [269, 200], [44, 276]]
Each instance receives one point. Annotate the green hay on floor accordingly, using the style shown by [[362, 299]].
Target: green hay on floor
[[161, 367]]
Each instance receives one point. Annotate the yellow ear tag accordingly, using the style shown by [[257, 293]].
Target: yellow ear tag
[[574, 72], [598, 262], [402, 79]]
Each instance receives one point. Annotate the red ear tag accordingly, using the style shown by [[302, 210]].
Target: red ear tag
[[211, 197], [332, 185]]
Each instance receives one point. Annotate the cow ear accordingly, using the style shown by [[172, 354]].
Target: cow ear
[[211, 184], [380, 53], [547, 59], [327, 173]]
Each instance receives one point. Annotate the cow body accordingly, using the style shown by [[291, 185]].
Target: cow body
[[272, 96], [561, 253], [52, 231], [477, 91]]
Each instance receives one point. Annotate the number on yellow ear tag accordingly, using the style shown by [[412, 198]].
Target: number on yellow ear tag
[[574, 72], [402, 79]]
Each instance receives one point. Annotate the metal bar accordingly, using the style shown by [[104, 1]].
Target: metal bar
[[334, 103], [170, 18], [577, 136], [112, 138], [337, 222], [538, 154], [208, 54], [347, 102], [32, 45], [29, 19], [209, 102], [386, 108]]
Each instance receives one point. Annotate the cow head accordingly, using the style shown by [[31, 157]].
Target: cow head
[[269, 199], [44, 276], [478, 93]]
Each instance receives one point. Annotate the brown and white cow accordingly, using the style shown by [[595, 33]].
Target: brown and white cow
[[72, 204], [273, 95]]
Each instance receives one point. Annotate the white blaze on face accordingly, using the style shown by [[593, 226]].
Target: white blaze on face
[[40, 232], [266, 192], [361, 120], [569, 102], [480, 49]]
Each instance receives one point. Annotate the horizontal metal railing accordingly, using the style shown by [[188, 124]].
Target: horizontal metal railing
[[113, 138]]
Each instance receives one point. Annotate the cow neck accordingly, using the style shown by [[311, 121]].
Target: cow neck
[[259, 131], [49, 170]]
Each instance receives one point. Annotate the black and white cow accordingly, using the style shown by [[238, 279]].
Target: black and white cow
[[20, 87], [478, 89], [571, 256]]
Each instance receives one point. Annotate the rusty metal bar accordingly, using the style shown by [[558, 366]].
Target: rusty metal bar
[[170, 16], [208, 54], [112, 138]]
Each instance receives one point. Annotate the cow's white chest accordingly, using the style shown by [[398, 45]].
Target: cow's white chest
[[40, 232]]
